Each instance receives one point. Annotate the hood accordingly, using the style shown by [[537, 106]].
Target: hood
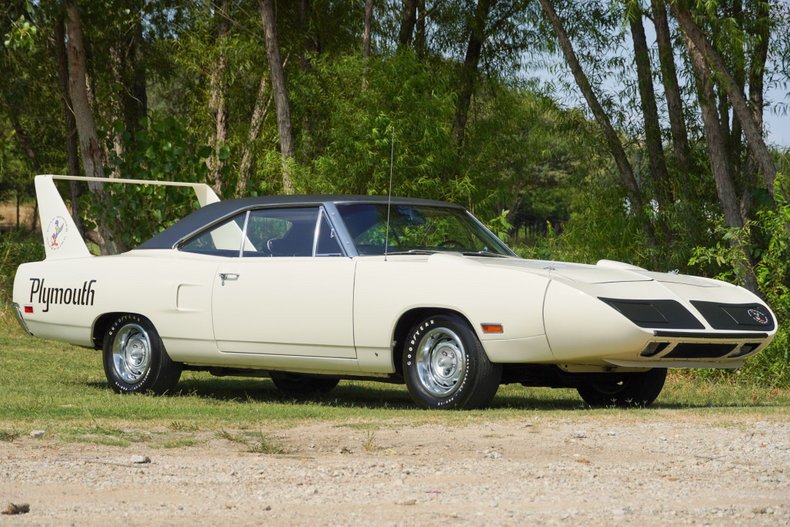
[[603, 272]]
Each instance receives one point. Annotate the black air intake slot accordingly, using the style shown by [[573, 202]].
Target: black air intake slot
[[686, 350]]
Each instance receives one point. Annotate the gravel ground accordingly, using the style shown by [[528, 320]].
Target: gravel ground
[[646, 468]]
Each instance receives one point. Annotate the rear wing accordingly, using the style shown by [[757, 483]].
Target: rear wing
[[61, 237]]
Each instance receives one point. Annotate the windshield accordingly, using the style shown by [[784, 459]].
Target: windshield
[[418, 229]]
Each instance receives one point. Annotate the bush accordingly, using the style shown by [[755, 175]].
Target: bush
[[16, 248], [772, 268]]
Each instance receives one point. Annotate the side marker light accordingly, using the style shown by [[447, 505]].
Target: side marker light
[[492, 328], [28, 309]]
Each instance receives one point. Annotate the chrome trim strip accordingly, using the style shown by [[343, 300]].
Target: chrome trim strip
[[21, 320], [709, 336]]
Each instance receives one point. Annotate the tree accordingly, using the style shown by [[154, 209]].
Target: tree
[[477, 33], [677, 121], [716, 63], [90, 148], [610, 134], [407, 23], [717, 152], [647, 99], [280, 92], [72, 154], [367, 31], [217, 105]]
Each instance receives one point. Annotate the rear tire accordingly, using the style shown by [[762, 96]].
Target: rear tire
[[635, 390], [299, 385], [135, 360], [445, 365]]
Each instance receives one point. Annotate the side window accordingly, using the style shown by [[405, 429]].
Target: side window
[[327, 243], [269, 232], [281, 232], [221, 240]]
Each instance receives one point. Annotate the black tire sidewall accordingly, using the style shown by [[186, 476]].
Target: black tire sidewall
[[157, 349], [473, 350], [639, 390]]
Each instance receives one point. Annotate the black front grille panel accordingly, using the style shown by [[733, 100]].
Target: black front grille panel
[[754, 317], [668, 314]]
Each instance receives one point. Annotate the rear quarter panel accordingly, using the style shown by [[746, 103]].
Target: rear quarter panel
[[69, 295]]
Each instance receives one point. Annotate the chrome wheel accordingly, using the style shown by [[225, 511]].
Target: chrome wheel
[[131, 353], [441, 361]]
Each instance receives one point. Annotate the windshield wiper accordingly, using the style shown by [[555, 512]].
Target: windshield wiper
[[413, 251], [487, 254]]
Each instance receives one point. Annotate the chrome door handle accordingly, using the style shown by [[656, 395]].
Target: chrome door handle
[[228, 276]]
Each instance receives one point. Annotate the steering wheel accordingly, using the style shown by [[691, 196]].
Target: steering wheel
[[451, 244]]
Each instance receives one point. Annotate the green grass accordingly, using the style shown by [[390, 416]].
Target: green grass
[[61, 389]]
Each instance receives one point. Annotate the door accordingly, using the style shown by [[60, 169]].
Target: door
[[289, 291]]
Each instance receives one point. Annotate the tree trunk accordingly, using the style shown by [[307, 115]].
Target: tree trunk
[[759, 56], [90, 148], [677, 121], [259, 113], [216, 104], [136, 100], [655, 148], [407, 23], [717, 152], [756, 77], [625, 171], [420, 45], [310, 43], [474, 48], [116, 106], [367, 31], [72, 155], [752, 131], [279, 91]]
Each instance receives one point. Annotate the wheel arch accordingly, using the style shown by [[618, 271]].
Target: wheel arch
[[103, 323], [407, 321]]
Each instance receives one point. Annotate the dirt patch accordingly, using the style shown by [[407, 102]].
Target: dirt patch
[[652, 469]]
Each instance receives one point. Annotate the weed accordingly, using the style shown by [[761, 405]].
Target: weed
[[8, 435], [230, 436], [262, 444], [369, 444], [181, 442], [181, 426]]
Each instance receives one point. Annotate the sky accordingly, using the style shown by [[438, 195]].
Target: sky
[[778, 124]]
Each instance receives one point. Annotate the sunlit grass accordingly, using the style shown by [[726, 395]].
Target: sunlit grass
[[61, 389]]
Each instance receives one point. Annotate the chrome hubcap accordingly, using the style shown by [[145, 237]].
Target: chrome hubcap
[[440, 361], [131, 353]]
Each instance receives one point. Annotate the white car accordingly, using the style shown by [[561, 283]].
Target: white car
[[312, 289]]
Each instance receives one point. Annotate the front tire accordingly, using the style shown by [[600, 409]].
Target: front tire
[[633, 390], [135, 360], [445, 365]]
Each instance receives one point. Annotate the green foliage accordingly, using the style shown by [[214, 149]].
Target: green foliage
[[16, 248], [355, 108], [161, 151], [772, 269], [500, 226]]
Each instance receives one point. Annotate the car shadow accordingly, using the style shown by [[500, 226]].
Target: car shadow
[[346, 395], [396, 397]]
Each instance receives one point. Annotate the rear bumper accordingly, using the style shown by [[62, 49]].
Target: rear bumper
[[19, 318]]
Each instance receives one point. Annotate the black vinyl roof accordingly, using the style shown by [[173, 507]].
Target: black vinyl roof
[[204, 216]]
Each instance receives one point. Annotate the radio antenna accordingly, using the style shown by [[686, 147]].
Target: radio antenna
[[389, 196]]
